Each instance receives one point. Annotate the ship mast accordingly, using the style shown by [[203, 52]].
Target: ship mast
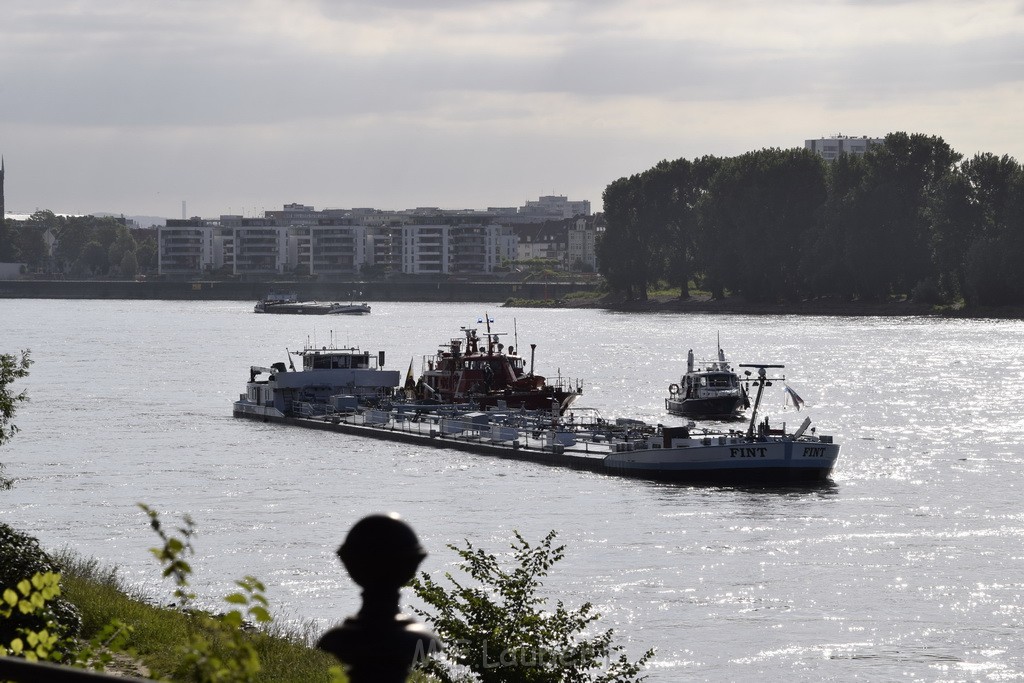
[[761, 381]]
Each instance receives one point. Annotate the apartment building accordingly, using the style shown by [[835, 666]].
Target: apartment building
[[455, 249], [832, 147], [581, 244], [300, 240], [185, 247]]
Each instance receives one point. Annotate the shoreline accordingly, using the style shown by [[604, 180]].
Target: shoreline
[[737, 305], [507, 294]]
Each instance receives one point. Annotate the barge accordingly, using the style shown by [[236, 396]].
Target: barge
[[757, 456]]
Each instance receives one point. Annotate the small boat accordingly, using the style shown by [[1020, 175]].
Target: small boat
[[290, 303], [484, 372], [708, 390]]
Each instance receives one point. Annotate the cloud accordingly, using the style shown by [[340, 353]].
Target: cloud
[[595, 89]]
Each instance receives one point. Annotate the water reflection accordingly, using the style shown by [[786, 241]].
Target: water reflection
[[906, 563]]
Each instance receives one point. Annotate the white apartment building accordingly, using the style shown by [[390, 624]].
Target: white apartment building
[[260, 250], [185, 247], [337, 249], [832, 147], [299, 240], [581, 244], [455, 249]]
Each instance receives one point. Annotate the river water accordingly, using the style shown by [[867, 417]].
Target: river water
[[910, 566]]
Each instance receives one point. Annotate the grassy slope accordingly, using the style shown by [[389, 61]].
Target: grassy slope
[[160, 634]]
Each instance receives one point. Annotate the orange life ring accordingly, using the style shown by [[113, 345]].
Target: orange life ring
[[673, 389]]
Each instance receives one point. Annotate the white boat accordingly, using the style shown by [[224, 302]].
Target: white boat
[[708, 390], [327, 373], [758, 456]]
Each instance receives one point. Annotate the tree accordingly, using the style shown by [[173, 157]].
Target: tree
[[12, 367], [823, 262], [146, 253], [690, 181], [891, 248], [761, 205], [94, 258], [8, 250], [500, 631], [129, 265], [619, 253]]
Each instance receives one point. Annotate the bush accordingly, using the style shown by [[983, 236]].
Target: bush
[[501, 630], [21, 558]]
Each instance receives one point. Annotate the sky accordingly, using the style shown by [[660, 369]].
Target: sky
[[241, 106]]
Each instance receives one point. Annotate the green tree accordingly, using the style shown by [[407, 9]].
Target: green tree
[[94, 258], [12, 367], [31, 245], [761, 206], [123, 243], [992, 273], [8, 250], [690, 182], [620, 252], [823, 262], [129, 265], [500, 630], [146, 254], [891, 248], [956, 224]]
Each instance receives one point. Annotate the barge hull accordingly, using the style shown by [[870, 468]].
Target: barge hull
[[777, 474]]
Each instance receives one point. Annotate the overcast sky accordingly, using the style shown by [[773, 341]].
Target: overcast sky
[[134, 106]]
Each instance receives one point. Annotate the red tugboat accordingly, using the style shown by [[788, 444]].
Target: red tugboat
[[482, 371]]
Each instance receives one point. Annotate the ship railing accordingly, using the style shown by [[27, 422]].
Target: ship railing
[[307, 409]]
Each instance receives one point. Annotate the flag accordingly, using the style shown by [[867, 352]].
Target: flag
[[797, 401], [410, 383]]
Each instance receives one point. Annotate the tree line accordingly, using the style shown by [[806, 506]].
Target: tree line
[[909, 218], [85, 246]]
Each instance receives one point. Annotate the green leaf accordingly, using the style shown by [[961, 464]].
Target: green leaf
[[10, 597], [260, 614], [233, 619], [236, 599]]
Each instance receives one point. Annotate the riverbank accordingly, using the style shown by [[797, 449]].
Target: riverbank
[[733, 305], [395, 289], [547, 294]]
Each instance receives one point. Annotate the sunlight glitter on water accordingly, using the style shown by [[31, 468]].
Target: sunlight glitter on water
[[908, 562]]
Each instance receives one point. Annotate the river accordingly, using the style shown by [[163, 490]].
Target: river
[[910, 566]]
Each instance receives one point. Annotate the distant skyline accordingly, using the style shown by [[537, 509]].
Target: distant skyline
[[133, 106]]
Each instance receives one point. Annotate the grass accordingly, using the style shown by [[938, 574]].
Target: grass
[[160, 635]]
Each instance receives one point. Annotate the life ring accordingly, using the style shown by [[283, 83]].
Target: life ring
[[673, 389]]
